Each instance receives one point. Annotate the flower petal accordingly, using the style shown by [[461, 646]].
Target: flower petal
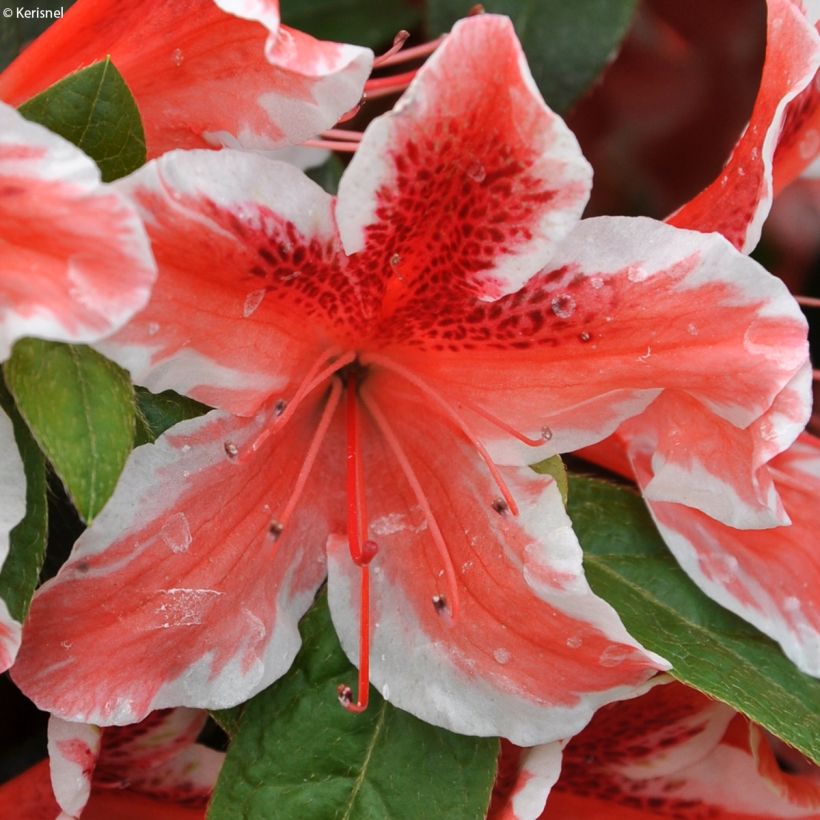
[[469, 182], [251, 278], [738, 201], [769, 577], [76, 261], [73, 750], [532, 652], [628, 307], [179, 594], [200, 75], [12, 510], [524, 793]]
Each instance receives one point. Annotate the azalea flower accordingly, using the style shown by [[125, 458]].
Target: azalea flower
[[781, 140], [150, 769], [384, 367], [672, 752], [204, 73], [76, 265]]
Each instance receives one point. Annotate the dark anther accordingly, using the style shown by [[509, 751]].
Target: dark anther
[[345, 694], [275, 529], [439, 603], [500, 506], [279, 407]]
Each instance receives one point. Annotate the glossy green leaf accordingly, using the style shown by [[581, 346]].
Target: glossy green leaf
[[709, 648], [370, 23], [297, 753], [156, 412], [95, 110], [567, 44], [27, 542], [80, 408]]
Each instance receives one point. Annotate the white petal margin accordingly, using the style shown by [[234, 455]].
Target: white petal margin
[[265, 12], [539, 770], [462, 61], [84, 266], [12, 510], [421, 676], [73, 749]]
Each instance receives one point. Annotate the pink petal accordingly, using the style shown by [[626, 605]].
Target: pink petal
[[532, 651], [252, 279], [76, 261], [178, 594], [738, 201], [525, 793], [73, 749], [12, 510], [469, 182], [670, 753], [200, 76], [769, 577], [627, 308]]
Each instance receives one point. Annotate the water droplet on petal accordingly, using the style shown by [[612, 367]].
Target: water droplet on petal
[[809, 144], [574, 642], [723, 567], [635, 273], [186, 448], [395, 259], [152, 328], [477, 172], [584, 336], [386, 691], [596, 282], [754, 154], [563, 305], [177, 56], [692, 329], [176, 533], [614, 655], [231, 450], [501, 656], [252, 302], [546, 433]]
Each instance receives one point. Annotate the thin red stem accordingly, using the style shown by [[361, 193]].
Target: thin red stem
[[502, 425], [388, 364], [414, 53], [332, 145], [384, 86], [342, 134], [808, 301], [421, 499], [398, 41]]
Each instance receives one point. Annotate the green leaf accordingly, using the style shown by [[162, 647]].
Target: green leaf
[[554, 466], [567, 44], [297, 753], [710, 649], [365, 22], [18, 578], [95, 110], [156, 412], [80, 408], [328, 174]]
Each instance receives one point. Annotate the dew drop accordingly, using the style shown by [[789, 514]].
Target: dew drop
[[546, 433], [477, 172], [596, 282], [252, 302], [614, 655], [724, 567], [563, 306], [177, 56], [692, 329], [186, 448], [635, 273], [386, 691], [153, 328], [395, 259], [809, 144], [574, 642], [754, 154], [176, 533], [466, 566], [231, 450], [584, 336], [501, 656], [66, 644], [791, 604], [741, 171]]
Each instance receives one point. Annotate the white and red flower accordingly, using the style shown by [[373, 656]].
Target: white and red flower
[[381, 387], [76, 264], [672, 752], [204, 73], [150, 769]]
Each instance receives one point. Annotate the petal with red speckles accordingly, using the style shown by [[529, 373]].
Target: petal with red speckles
[[627, 308], [12, 510], [470, 181], [76, 261], [201, 77], [73, 750], [519, 646], [252, 279], [184, 562], [782, 136], [769, 577]]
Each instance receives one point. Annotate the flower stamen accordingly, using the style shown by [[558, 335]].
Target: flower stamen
[[388, 364], [398, 41], [808, 301], [421, 499], [385, 86], [546, 433], [407, 54]]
